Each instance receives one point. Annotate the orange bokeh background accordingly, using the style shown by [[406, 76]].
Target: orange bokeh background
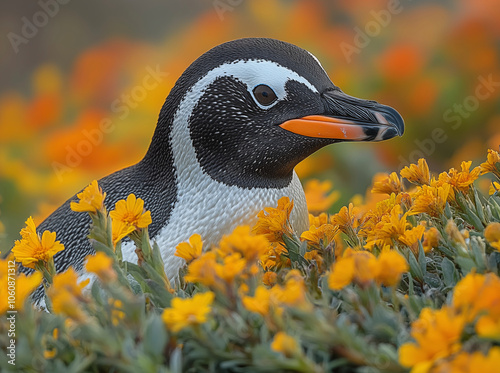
[[429, 60]]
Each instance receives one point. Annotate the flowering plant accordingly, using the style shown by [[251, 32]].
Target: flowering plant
[[406, 280]]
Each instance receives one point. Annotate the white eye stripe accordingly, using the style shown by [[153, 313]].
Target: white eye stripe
[[252, 73]]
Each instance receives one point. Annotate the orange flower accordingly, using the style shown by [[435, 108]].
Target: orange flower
[[494, 188], [319, 220], [244, 242], [390, 266], [285, 344], [411, 237], [431, 200], [131, 212], [269, 278], [190, 251], [437, 335], [492, 164], [347, 218], [274, 257], [189, 311], [66, 294], [318, 197], [460, 180], [202, 270], [391, 227], [260, 303], [101, 265], [431, 239], [324, 234], [387, 184], [31, 249], [417, 174], [120, 230], [91, 199], [274, 222], [353, 266], [492, 235]]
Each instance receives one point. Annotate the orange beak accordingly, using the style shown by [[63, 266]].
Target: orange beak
[[325, 127]]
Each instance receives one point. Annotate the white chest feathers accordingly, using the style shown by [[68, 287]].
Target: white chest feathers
[[213, 209]]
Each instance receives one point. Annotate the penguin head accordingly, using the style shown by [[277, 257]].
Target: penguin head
[[251, 109]]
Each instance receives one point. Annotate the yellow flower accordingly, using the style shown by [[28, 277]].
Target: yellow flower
[[390, 266], [494, 187], [120, 230], [269, 278], [274, 222], [190, 251], [347, 218], [315, 255], [101, 265], [411, 237], [324, 234], [273, 257], [342, 274], [387, 184], [293, 294], [91, 199], [318, 221], [488, 327], [68, 281], [24, 285], [454, 234], [285, 344], [485, 364], [437, 335], [187, 312], [431, 239], [460, 180], [49, 354], [431, 200], [318, 197], [492, 235], [202, 270], [492, 163], [117, 314], [232, 266], [417, 174], [464, 362], [131, 211], [478, 294], [353, 266], [391, 227], [260, 303], [66, 295], [31, 249], [362, 267], [242, 241]]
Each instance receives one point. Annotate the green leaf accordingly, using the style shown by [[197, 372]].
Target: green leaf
[[450, 275], [415, 268], [155, 337]]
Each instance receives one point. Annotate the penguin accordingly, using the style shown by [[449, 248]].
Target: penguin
[[231, 131]]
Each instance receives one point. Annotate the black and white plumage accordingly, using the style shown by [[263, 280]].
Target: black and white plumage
[[228, 137]]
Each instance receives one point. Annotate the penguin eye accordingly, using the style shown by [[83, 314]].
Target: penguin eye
[[264, 94]]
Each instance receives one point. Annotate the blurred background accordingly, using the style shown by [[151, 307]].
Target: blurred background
[[81, 84]]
